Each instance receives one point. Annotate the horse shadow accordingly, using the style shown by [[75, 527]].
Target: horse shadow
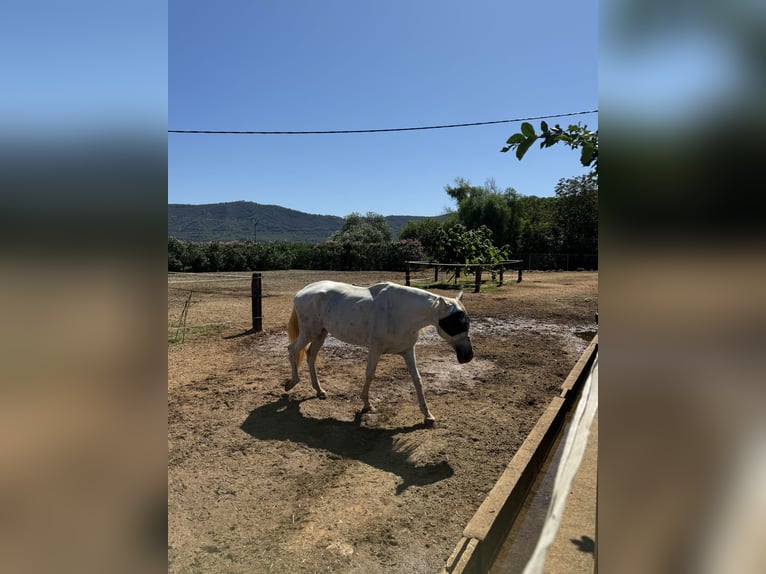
[[283, 420]]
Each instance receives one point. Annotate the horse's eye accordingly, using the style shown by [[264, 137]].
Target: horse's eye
[[455, 323]]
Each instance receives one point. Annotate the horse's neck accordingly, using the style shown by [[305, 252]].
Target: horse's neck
[[422, 310]]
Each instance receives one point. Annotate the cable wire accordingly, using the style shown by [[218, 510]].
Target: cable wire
[[377, 130]]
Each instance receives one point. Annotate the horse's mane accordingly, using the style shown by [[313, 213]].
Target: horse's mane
[[378, 287]]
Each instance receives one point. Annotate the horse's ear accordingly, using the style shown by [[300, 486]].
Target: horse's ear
[[459, 296]]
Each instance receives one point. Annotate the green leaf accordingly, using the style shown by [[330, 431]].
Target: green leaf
[[515, 139], [586, 156], [543, 126], [523, 147], [528, 130]]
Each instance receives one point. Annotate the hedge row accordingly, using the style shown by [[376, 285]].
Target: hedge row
[[331, 255]]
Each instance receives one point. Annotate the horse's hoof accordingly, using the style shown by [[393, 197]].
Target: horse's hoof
[[321, 395], [429, 422], [368, 409], [290, 384]]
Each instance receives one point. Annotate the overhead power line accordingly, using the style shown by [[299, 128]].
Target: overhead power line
[[241, 132]]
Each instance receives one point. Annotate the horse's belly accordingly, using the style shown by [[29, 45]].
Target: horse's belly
[[394, 348], [360, 333], [350, 331], [384, 345]]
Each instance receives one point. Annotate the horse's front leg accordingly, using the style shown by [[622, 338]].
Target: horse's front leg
[[412, 367], [372, 363]]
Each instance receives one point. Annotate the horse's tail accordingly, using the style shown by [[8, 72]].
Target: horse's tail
[[292, 334]]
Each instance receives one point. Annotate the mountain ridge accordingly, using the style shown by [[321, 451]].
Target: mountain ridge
[[248, 221]]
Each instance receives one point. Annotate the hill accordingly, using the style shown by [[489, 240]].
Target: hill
[[235, 222]]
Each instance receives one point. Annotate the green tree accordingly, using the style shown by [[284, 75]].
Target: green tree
[[458, 244], [462, 190], [540, 232], [486, 205], [234, 257], [196, 258], [426, 231], [214, 253], [357, 228], [577, 214], [176, 254]]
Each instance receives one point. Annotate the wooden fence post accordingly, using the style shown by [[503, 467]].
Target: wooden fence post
[[407, 274], [256, 298], [477, 272]]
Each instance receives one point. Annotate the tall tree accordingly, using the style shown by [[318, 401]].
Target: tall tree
[[540, 232], [426, 231], [577, 214], [461, 190], [486, 205], [370, 228]]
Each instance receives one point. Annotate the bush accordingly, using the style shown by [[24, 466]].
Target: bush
[[330, 256]]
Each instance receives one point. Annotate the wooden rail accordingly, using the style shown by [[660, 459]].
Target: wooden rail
[[485, 533], [477, 269]]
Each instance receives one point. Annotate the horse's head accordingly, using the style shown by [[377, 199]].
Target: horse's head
[[453, 327]]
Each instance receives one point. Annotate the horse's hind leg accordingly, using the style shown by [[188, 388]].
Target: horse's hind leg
[[293, 351], [311, 357], [372, 363], [412, 367]]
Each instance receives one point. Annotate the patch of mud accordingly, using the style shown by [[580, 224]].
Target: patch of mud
[[493, 326], [489, 326], [440, 372], [440, 380]]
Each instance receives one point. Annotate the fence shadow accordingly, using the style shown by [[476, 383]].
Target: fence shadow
[[250, 331], [283, 420]]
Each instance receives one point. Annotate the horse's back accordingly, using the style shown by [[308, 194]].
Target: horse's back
[[385, 287], [326, 289], [341, 309]]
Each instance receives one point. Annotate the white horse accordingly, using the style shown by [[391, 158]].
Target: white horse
[[386, 318]]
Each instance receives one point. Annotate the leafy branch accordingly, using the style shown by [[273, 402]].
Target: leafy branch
[[575, 136]]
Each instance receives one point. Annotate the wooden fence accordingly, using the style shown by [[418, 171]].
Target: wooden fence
[[476, 269]]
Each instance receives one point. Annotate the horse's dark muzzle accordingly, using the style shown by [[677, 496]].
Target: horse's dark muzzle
[[464, 351]]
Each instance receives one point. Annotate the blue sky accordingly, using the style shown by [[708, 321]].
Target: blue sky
[[82, 66], [344, 65]]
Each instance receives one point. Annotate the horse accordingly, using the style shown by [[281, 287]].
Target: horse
[[386, 318]]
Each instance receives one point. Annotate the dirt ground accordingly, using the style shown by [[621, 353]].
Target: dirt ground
[[264, 481]]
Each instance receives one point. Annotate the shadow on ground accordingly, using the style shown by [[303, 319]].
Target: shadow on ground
[[283, 420], [242, 334]]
